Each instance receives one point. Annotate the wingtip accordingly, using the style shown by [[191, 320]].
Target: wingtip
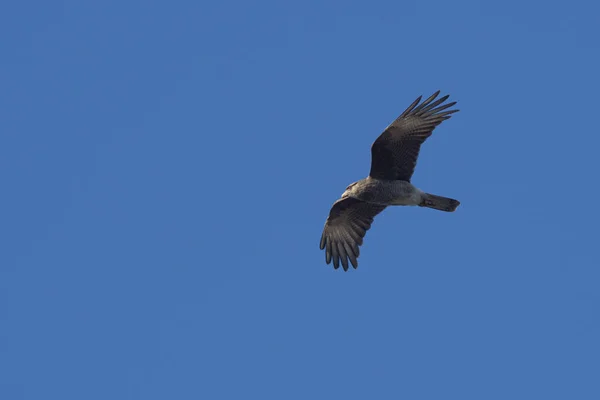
[[410, 108], [426, 103]]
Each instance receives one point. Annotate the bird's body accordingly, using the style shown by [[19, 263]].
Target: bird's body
[[393, 159], [385, 192]]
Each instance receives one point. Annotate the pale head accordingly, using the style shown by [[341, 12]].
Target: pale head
[[349, 190]]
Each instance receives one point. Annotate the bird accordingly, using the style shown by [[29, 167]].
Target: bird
[[393, 160]]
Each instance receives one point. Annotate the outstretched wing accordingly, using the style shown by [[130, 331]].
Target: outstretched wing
[[394, 154], [348, 222]]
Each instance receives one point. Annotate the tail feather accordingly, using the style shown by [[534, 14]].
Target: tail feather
[[439, 202]]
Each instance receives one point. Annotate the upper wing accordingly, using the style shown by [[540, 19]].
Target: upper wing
[[348, 222], [394, 153]]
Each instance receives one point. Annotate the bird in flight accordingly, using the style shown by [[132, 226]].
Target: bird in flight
[[393, 159]]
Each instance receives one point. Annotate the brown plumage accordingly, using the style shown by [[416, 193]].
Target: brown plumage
[[393, 159], [348, 222], [394, 154]]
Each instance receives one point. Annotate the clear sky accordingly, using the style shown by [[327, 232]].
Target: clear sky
[[167, 168]]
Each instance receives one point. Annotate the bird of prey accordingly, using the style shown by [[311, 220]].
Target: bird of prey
[[393, 159]]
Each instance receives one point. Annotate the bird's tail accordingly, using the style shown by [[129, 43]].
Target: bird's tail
[[439, 202]]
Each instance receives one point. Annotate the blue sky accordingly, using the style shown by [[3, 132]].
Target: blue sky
[[167, 168]]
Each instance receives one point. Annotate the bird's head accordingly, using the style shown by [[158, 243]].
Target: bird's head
[[349, 190]]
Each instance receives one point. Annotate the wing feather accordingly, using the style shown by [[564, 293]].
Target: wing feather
[[348, 222], [395, 152]]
